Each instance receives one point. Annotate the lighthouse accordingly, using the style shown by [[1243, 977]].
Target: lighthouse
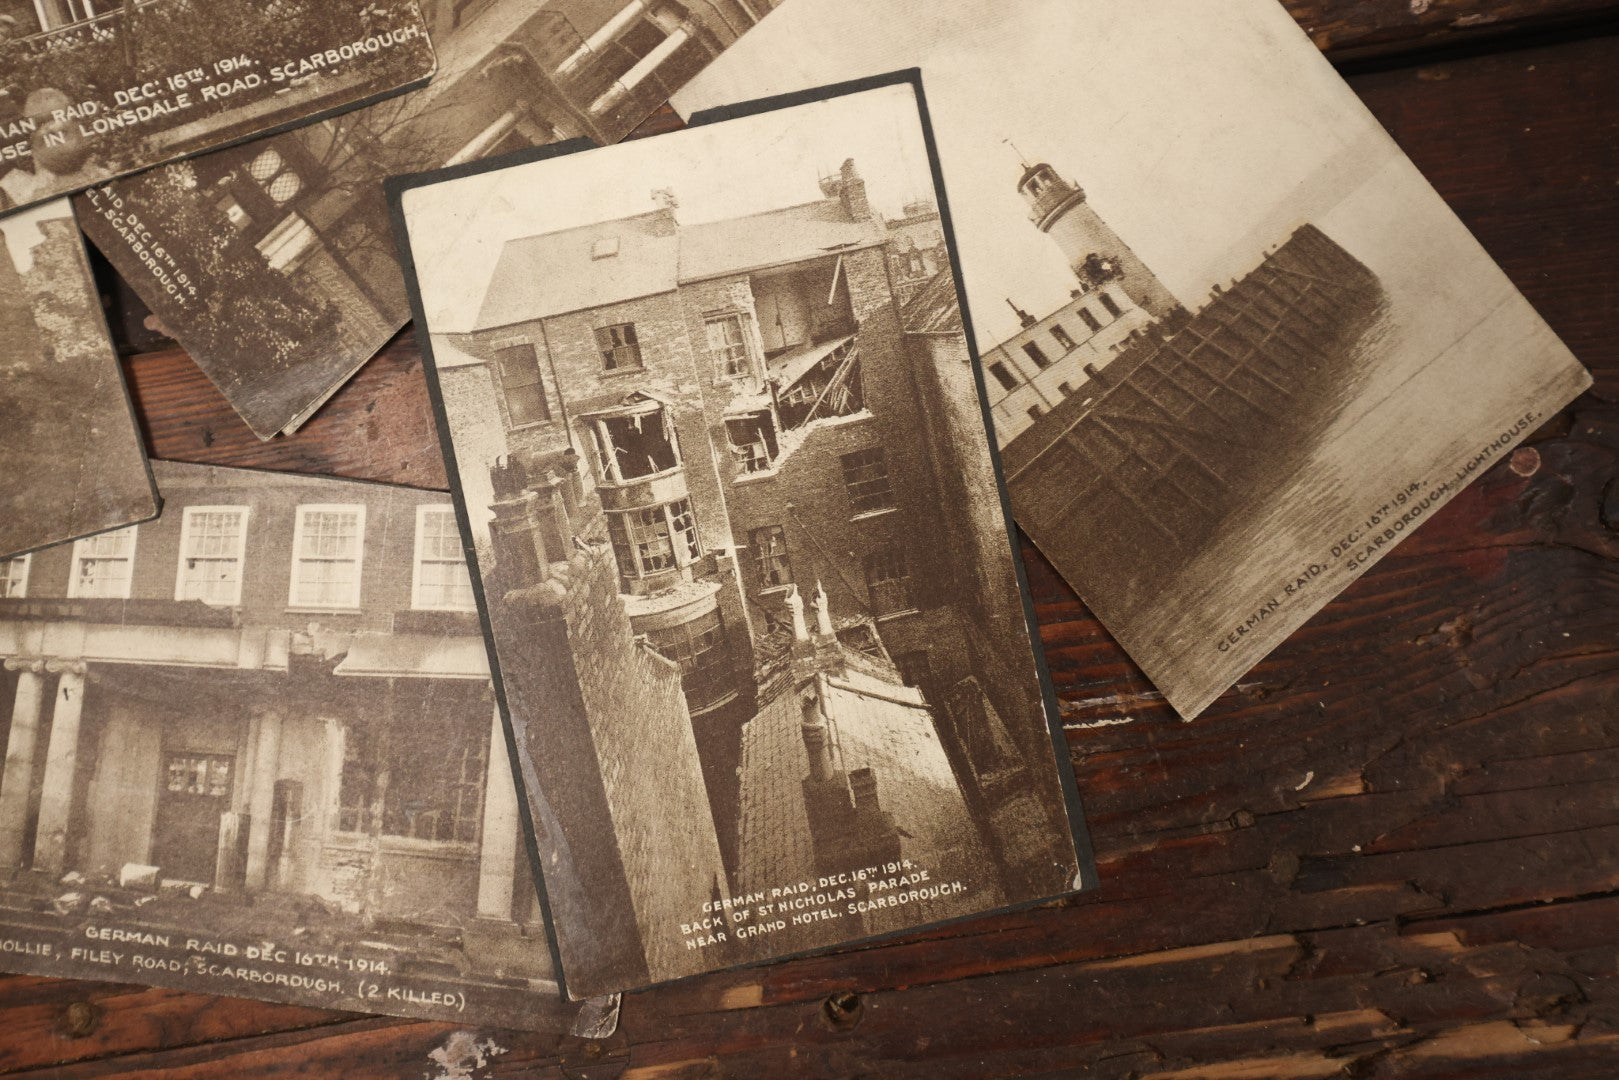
[[1094, 251]]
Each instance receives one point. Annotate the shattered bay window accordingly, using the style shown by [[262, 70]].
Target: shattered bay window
[[635, 442]]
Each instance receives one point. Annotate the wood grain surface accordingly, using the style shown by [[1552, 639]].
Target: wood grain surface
[[1392, 850]]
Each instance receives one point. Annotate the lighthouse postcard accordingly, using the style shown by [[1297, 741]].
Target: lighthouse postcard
[[93, 89], [1237, 347], [747, 575], [70, 450]]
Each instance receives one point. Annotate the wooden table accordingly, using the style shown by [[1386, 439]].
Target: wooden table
[[1393, 850]]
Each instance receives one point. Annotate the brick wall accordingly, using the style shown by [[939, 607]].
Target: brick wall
[[635, 836], [272, 498]]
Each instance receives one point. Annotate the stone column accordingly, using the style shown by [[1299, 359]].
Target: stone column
[[19, 767], [61, 765], [497, 854], [261, 797]]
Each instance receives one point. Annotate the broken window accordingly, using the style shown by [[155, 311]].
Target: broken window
[[520, 381], [1061, 337], [620, 348], [14, 577], [1090, 320], [390, 788], [212, 539], [637, 445], [697, 647], [770, 554], [753, 441], [728, 346], [654, 539], [1110, 305], [103, 565], [1002, 375], [888, 581], [865, 475], [1037, 354]]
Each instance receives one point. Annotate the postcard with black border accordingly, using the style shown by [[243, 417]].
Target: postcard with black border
[[751, 591]]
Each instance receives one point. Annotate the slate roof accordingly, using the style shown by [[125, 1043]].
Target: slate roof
[[934, 309], [555, 273], [875, 724], [772, 238]]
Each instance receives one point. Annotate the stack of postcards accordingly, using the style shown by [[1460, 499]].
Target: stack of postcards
[[719, 649]]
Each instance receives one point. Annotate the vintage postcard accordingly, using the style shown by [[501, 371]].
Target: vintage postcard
[[251, 748], [93, 89], [757, 617], [71, 458], [298, 224], [1236, 346]]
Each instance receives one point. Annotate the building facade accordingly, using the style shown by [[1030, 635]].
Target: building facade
[[277, 689]]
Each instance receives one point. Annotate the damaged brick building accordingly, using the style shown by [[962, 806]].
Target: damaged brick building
[[739, 412]]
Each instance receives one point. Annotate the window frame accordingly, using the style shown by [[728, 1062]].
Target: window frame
[[27, 561], [628, 535], [1064, 340], [887, 478], [244, 512], [79, 556], [300, 514], [1003, 374], [720, 365], [508, 386], [423, 511], [1088, 317], [1037, 356], [609, 353], [1110, 305], [780, 558], [893, 555]]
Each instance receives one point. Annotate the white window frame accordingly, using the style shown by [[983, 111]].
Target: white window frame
[[303, 512], [242, 513], [80, 555], [416, 603], [27, 563]]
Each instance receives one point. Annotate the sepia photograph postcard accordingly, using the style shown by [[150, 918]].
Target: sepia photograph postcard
[[754, 608], [70, 450], [1237, 348], [93, 89], [297, 224], [252, 749]]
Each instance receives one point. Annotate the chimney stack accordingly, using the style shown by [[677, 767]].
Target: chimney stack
[[1022, 316], [817, 740]]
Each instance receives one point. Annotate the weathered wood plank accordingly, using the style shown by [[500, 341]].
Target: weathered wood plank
[[1391, 852]]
